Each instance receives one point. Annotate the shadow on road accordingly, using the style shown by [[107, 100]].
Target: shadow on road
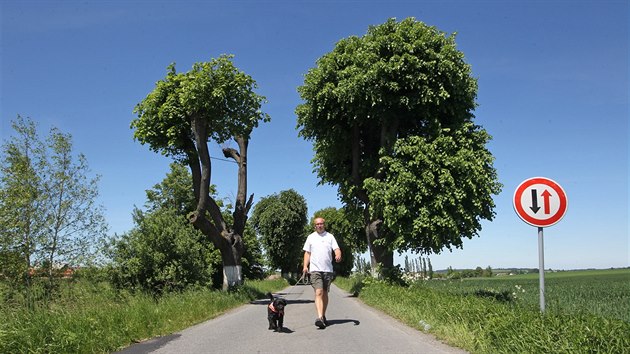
[[285, 330], [289, 302], [300, 301], [336, 322], [330, 323]]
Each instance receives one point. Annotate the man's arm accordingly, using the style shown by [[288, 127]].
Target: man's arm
[[307, 260], [337, 255]]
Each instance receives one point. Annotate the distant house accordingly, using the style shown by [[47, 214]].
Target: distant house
[[61, 270]]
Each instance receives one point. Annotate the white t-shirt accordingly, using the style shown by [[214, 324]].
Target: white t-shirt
[[321, 247]]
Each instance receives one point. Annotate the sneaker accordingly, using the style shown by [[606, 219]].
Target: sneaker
[[325, 321], [320, 323]]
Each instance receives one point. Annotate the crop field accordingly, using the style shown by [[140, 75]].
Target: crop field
[[604, 293]]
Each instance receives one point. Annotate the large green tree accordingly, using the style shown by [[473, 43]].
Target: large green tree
[[375, 101], [213, 101], [280, 219]]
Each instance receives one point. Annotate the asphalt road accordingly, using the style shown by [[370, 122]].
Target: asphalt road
[[353, 328]]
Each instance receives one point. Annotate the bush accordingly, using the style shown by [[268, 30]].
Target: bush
[[163, 253]]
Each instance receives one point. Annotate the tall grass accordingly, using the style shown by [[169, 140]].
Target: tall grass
[[488, 324], [94, 318]]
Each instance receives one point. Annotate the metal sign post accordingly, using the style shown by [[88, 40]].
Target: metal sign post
[[540, 202], [541, 268]]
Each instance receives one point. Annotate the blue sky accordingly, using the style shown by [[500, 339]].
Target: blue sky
[[553, 92]]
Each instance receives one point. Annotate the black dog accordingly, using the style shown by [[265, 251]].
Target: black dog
[[275, 312]]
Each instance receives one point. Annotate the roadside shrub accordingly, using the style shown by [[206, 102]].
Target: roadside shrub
[[163, 253]]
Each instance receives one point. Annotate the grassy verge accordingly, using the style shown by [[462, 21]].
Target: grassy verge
[[485, 325], [92, 318]]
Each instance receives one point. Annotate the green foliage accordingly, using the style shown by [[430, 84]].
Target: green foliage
[[13, 266], [354, 283], [163, 253], [175, 191], [280, 219], [22, 197], [436, 190], [48, 212], [216, 91], [487, 272], [76, 223], [253, 259], [361, 266], [391, 275], [213, 101], [390, 116], [401, 79]]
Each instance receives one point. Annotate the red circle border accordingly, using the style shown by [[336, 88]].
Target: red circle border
[[540, 222]]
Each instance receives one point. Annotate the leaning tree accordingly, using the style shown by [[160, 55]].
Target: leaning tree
[[390, 116], [213, 101]]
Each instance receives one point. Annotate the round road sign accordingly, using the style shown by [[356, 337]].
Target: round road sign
[[540, 201]]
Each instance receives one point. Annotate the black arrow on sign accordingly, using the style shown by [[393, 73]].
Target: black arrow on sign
[[534, 206]]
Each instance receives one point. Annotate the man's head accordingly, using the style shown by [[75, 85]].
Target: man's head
[[320, 225]]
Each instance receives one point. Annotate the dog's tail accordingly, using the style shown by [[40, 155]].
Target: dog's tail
[[270, 295]]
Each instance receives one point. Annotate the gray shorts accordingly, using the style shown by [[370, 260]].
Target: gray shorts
[[321, 280]]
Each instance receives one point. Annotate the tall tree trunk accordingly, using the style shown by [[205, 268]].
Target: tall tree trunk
[[379, 254], [229, 242], [231, 254], [232, 271]]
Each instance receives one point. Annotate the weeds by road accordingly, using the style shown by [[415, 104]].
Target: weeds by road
[[94, 318]]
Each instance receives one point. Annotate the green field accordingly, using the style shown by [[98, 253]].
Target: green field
[[603, 293]]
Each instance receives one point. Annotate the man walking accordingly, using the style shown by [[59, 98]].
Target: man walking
[[318, 250]]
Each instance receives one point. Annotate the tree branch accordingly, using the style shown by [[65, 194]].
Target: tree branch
[[249, 204], [201, 137], [232, 154], [241, 209], [204, 201], [195, 169]]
